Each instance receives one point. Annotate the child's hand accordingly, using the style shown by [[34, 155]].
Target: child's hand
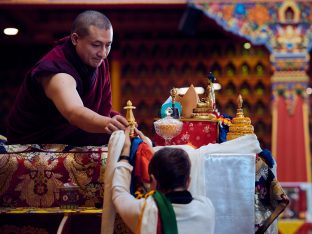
[[127, 144]]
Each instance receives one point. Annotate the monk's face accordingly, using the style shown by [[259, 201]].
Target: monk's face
[[95, 46]]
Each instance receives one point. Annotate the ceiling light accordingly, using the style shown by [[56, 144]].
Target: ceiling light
[[10, 31], [247, 45]]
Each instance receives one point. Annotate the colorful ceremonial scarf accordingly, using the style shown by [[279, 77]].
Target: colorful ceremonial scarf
[[144, 155], [135, 142], [159, 218], [167, 214], [140, 156]]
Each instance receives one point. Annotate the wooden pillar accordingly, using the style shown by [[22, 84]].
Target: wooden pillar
[[115, 82]]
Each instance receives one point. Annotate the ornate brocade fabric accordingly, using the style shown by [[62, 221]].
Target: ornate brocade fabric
[[268, 194], [32, 175]]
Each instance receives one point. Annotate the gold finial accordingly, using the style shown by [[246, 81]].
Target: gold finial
[[240, 101], [173, 94], [130, 117]]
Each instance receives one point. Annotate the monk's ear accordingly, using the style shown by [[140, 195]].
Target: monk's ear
[[74, 38]]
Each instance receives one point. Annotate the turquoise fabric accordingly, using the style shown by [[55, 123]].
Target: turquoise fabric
[[165, 106]]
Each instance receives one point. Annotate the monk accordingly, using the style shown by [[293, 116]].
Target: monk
[[66, 97]]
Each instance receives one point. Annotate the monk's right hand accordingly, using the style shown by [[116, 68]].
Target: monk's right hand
[[115, 123]]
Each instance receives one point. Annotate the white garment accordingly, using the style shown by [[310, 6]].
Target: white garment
[[115, 145], [197, 216], [206, 179]]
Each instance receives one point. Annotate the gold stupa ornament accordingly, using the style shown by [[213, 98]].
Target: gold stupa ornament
[[241, 125], [130, 117], [206, 108]]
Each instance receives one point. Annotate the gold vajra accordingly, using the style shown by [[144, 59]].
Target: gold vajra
[[130, 117]]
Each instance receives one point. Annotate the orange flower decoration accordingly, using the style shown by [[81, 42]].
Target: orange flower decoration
[[259, 14], [228, 12]]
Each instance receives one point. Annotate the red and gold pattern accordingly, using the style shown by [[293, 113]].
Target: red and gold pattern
[[8, 166], [31, 175], [39, 185]]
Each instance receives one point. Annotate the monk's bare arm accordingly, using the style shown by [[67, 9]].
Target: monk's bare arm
[[61, 89]]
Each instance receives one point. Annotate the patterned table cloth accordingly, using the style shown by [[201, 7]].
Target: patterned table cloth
[[32, 175]]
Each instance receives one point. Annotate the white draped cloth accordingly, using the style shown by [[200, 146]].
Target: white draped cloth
[[223, 172]]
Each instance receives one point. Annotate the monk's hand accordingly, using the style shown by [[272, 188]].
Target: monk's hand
[[115, 123], [122, 120]]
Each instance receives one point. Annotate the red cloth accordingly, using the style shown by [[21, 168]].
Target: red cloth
[[194, 133], [144, 155], [35, 119], [159, 224], [290, 142]]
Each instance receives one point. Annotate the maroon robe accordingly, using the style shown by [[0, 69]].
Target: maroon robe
[[35, 119]]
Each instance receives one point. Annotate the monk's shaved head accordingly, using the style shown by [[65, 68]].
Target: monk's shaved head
[[87, 18]]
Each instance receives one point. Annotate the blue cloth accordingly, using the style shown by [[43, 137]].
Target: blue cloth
[[224, 129], [266, 155], [136, 141]]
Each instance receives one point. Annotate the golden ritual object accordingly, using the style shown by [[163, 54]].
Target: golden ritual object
[[130, 117], [173, 94], [206, 108], [241, 125]]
